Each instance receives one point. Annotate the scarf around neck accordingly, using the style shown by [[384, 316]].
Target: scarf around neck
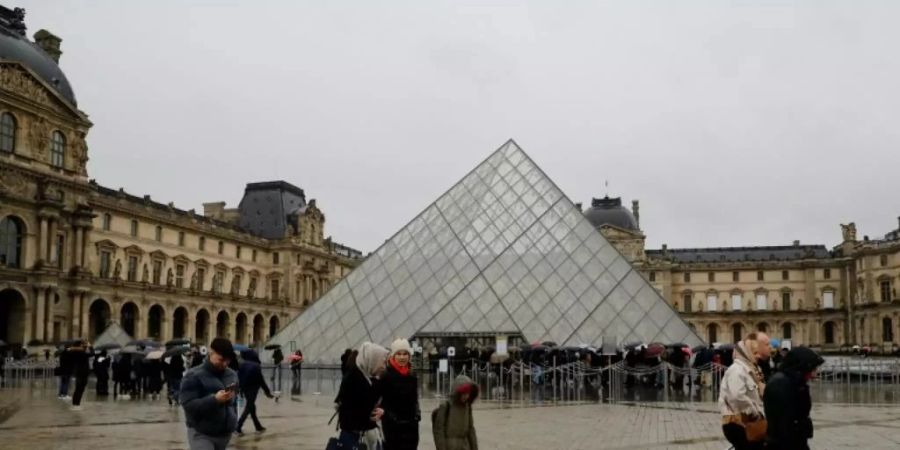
[[402, 370]]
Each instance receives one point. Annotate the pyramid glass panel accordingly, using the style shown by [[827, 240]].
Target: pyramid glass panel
[[503, 251]]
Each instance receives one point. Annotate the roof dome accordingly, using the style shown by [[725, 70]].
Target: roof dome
[[15, 46], [609, 211]]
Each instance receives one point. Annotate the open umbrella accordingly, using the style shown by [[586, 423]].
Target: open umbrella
[[497, 358], [175, 342], [132, 349], [146, 343], [655, 349], [110, 346], [239, 347], [774, 343], [272, 346], [155, 354], [294, 357], [177, 350], [550, 343]]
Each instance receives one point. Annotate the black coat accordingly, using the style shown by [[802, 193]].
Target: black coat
[[251, 379], [81, 363], [400, 401], [356, 401], [787, 402]]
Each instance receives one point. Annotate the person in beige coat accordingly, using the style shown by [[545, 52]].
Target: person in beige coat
[[740, 397]]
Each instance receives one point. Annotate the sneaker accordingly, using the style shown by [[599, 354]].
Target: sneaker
[[75, 408], [260, 430], [238, 433]]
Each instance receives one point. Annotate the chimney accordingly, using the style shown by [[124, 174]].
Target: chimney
[[796, 243], [578, 205], [866, 238], [898, 222], [636, 210], [48, 42]]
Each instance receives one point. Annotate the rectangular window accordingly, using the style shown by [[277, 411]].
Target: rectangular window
[[221, 248], [237, 283], [688, 303], [736, 302], [712, 302], [652, 275], [827, 274], [253, 255], [181, 238], [134, 228], [828, 300], [202, 244], [107, 222], [711, 277], [761, 302], [132, 268], [237, 252], [735, 276], [760, 276], [158, 234], [687, 277], [885, 291], [785, 275], [883, 260], [786, 301], [60, 250], [220, 280], [179, 275], [297, 291], [275, 290], [157, 272], [201, 278], [105, 261], [276, 258]]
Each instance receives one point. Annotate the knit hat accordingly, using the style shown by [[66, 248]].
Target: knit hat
[[401, 345]]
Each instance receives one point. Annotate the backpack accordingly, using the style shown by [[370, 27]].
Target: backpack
[[446, 406]]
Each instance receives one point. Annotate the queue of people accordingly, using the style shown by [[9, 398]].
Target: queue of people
[[760, 412]]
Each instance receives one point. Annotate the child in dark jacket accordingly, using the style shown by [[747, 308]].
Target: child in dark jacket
[[451, 423]]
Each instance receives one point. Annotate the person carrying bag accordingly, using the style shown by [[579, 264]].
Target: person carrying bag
[[740, 398], [357, 402]]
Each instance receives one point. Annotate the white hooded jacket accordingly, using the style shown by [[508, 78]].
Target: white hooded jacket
[[740, 390]]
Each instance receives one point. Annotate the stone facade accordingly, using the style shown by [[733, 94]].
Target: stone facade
[[827, 298], [75, 255]]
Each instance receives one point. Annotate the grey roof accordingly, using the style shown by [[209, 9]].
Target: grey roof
[[609, 211], [738, 254], [503, 251], [15, 46], [269, 209]]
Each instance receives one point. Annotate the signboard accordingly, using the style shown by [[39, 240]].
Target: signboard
[[451, 351], [442, 366], [502, 345], [786, 344]]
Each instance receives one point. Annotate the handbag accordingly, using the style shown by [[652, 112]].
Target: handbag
[[756, 429], [344, 441]]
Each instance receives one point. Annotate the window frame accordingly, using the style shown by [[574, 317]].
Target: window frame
[[9, 128], [57, 149], [135, 228]]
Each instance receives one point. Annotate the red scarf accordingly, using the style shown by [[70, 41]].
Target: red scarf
[[403, 370]]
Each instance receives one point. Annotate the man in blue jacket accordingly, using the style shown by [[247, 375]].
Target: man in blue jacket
[[207, 395]]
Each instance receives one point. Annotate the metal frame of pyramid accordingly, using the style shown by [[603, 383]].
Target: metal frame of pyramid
[[113, 334], [502, 251]]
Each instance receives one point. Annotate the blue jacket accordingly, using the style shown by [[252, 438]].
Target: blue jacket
[[198, 397]]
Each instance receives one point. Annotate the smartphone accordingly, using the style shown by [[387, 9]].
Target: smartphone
[[231, 387]]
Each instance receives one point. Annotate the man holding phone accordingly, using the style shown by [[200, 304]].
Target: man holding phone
[[207, 395]]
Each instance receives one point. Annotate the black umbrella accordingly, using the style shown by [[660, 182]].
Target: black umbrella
[[273, 346], [69, 342], [110, 346], [699, 348], [549, 343], [144, 343], [175, 342], [177, 350]]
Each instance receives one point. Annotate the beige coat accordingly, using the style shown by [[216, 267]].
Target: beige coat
[[740, 390]]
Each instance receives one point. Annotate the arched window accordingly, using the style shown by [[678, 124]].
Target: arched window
[[829, 332], [737, 332], [712, 331], [57, 149], [787, 331], [887, 330], [11, 238], [8, 128]]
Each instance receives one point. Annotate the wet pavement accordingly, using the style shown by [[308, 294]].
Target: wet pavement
[[32, 418]]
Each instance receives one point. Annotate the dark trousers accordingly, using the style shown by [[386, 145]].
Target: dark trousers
[[80, 385], [736, 435], [174, 387], [102, 385], [249, 409], [64, 385]]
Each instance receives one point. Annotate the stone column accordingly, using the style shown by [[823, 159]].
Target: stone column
[[79, 246], [51, 300], [76, 316], [140, 326], [168, 325], [232, 327], [39, 311], [52, 243], [42, 241], [308, 294], [189, 325], [85, 328]]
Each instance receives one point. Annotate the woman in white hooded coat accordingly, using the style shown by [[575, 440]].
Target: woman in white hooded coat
[[740, 398]]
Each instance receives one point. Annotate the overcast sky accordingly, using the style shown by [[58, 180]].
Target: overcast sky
[[734, 123]]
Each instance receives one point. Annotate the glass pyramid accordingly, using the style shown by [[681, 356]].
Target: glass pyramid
[[504, 251]]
